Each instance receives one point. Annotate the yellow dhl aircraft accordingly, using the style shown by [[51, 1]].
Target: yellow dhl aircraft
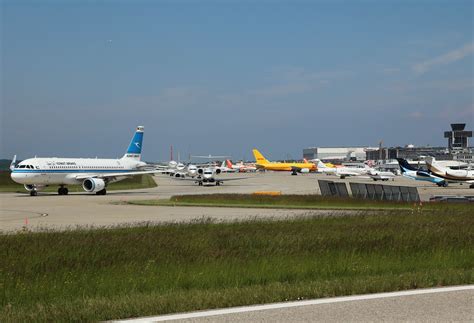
[[263, 163]]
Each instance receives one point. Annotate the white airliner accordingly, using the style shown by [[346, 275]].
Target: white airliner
[[92, 173], [342, 172]]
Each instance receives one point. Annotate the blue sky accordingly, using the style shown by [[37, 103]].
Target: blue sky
[[224, 77]]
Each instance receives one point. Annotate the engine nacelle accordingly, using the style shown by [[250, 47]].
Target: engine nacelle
[[200, 171], [30, 188], [93, 185], [457, 173], [218, 171], [304, 170]]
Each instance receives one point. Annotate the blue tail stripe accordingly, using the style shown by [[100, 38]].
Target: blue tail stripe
[[135, 146]]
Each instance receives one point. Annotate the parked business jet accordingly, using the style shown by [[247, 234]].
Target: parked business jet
[[343, 171], [455, 175], [294, 168], [418, 174], [378, 175], [208, 176], [92, 173], [241, 167], [224, 167]]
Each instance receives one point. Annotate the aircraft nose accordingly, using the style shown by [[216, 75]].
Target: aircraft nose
[[16, 177]]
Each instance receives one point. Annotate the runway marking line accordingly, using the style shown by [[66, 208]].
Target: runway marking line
[[253, 308]]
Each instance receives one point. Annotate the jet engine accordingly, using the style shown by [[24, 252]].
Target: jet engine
[[93, 185], [200, 171], [218, 170]]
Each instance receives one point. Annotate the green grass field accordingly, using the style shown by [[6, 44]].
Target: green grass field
[[136, 182], [278, 202], [103, 274]]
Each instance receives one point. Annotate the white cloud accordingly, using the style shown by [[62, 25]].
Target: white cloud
[[452, 56]]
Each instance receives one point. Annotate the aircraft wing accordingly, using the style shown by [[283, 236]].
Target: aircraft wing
[[348, 173], [195, 179], [230, 179], [117, 174]]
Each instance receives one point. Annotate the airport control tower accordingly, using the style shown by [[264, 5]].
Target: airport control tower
[[458, 138]]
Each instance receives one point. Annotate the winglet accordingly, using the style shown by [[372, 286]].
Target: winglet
[[12, 165]]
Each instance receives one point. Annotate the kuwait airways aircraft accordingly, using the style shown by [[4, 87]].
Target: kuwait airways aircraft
[[92, 173]]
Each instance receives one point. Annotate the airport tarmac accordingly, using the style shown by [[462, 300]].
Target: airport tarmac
[[49, 210], [446, 304]]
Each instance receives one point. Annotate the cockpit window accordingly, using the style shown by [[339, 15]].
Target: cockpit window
[[22, 166]]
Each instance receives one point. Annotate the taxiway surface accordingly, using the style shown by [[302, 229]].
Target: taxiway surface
[[49, 210]]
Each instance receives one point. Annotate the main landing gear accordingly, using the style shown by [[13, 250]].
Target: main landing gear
[[33, 192], [63, 190], [101, 192]]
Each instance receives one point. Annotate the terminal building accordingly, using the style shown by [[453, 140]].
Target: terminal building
[[457, 149], [336, 153]]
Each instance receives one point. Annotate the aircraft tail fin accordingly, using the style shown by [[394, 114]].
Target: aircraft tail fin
[[405, 166], [433, 166], [259, 158], [229, 163], [321, 165], [134, 150]]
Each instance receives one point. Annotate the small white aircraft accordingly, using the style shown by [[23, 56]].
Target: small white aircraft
[[342, 172], [378, 175], [241, 167], [207, 176], [186, 171], [224, 167], [448, 174], [94, 174]]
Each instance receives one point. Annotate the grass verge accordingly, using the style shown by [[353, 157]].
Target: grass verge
[[105, 274], [136, 182], [278, 202]]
